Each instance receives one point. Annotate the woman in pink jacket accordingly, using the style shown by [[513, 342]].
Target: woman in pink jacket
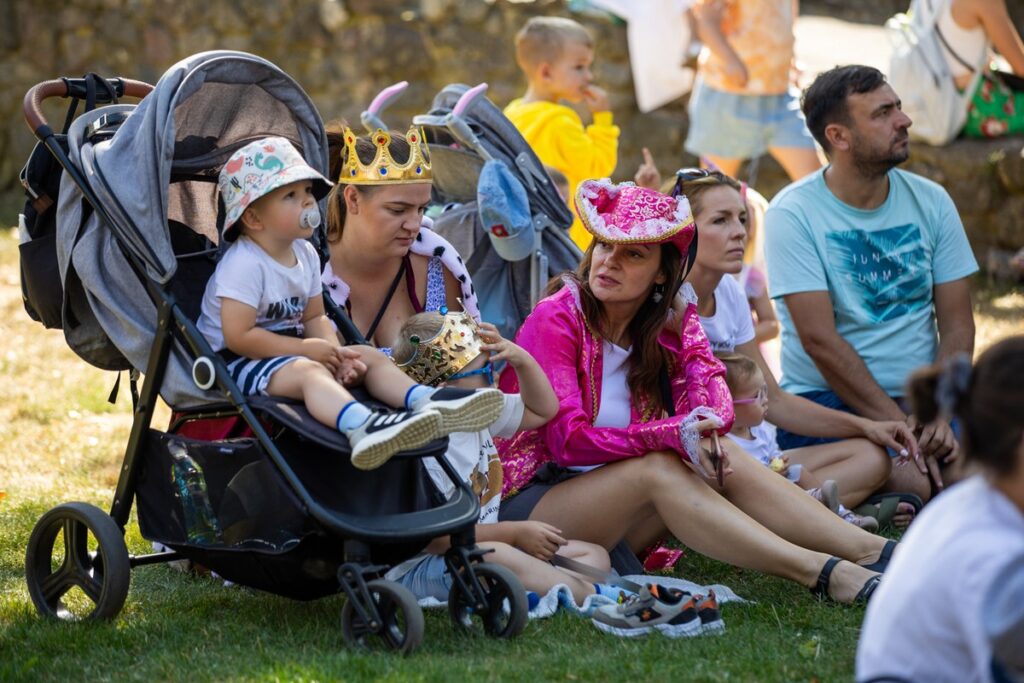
[[631, 454]]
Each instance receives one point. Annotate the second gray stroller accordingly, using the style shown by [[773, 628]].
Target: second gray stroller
[[467, 133]]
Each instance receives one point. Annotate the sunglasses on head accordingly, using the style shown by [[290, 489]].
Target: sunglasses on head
[[685, 175]]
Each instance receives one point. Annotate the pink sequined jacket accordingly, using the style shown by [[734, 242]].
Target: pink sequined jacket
[[556, 334]]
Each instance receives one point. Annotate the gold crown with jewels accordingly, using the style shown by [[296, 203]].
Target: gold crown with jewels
[[454, 347], [384, 170]]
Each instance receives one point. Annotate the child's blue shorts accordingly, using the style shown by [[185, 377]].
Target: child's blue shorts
[[733, 126], [429, 578]]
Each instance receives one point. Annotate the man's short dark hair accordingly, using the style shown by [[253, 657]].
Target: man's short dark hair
[[824, 102]]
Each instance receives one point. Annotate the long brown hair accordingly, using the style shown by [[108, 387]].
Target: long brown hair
[[988, 399], [648, 357], [337, 153]]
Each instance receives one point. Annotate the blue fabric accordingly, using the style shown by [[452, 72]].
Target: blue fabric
[[879, 268], [788, 440], [428, 579], [505, 211], [415, 393], [737, 126], [351, 416]]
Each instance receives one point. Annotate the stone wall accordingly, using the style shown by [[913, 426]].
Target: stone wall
[[344, 51]]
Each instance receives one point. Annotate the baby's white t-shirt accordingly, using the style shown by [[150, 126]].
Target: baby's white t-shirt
[[248, 274], [475, 458]]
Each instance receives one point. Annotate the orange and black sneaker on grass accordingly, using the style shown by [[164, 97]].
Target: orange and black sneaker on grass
[[655, 608], [710, 616]]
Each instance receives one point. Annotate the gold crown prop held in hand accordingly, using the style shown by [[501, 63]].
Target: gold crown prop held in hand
[[384, 169], [455, 345]]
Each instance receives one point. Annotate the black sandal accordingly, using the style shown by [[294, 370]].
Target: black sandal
[[820, 589], [882, 563]]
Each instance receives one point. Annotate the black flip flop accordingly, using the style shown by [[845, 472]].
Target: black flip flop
[[884, 506]]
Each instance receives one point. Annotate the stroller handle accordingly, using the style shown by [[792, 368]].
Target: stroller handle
[[62, 87]]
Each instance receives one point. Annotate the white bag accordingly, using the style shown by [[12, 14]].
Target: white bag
[[921, 76]]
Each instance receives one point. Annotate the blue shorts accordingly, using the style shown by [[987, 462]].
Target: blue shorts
[[428, 579], [733, 126], [788, 440]]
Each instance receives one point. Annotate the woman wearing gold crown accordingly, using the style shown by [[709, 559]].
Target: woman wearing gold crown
[[641, 397], [385, 266]]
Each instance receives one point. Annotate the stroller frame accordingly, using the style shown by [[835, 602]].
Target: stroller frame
[[479, 589]]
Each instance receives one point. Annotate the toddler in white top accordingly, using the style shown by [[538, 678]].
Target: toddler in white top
[[756, 435], [263, 313]]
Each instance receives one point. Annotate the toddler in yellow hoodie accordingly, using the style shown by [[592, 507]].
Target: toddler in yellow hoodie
[[556, 54]]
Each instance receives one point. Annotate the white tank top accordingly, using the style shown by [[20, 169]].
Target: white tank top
[[971, 45]]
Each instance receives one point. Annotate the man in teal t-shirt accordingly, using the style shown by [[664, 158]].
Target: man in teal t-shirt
[[869, 268]]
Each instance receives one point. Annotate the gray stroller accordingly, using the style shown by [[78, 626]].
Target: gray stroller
[[248, 486], [466, 132]]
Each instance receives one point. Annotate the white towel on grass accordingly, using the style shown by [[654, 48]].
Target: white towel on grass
[[561, 596]]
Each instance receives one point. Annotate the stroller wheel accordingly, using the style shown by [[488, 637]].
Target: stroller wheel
[[86, 574], [401, 626], [504, 613]]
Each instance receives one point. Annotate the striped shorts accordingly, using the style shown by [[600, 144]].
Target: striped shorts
[[253, 376]]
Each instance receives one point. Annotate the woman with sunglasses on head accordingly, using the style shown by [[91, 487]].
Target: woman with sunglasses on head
[[859, 463], [632, 454]]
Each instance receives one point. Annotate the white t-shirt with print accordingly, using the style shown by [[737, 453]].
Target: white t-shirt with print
[[924, 623], [732, 324], [762, 446], [248, 274], [475, 458]]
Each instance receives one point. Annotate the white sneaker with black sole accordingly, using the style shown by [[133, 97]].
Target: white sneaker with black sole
[[384, 434], [463, 410]]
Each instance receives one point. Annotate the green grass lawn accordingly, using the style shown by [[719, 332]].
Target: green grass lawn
[[62, 442]]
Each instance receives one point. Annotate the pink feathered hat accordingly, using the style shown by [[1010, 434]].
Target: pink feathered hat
[[627, 214]]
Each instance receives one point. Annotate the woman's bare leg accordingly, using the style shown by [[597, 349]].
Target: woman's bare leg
[[796, 161], [645, 534], [789, 512], [857, 465], [603, 506]]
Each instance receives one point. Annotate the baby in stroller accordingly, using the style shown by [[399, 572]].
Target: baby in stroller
[[263, 313], [441, 347]]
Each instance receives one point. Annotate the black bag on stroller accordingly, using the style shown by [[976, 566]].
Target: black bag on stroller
[[43, 291], [279, 508]]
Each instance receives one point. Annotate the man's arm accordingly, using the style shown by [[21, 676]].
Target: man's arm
[[840, 365], [955, 318]]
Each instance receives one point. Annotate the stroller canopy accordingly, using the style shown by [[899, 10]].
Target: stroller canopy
[[203, 109], [157, 167]]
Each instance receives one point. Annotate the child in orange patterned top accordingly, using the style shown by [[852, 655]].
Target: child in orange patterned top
[[743, 104]]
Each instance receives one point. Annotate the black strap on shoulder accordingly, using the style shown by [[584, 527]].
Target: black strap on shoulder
[[387, 300], [942, 39]]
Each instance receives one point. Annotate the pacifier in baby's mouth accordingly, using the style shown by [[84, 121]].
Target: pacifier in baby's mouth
[[310, 219]]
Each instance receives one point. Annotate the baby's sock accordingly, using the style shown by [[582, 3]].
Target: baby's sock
[[415, 393], [352, 416], [614, 592]]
